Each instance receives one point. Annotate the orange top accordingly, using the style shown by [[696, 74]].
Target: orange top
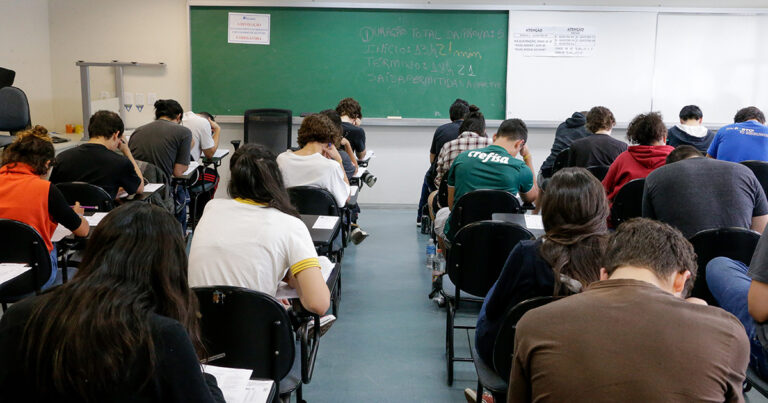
[[24, 197]]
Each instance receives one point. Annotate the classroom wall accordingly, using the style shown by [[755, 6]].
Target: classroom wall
[[45, 49], [26, 49]]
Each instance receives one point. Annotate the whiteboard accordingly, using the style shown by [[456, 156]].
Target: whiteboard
[[718, 62], [617, 74]]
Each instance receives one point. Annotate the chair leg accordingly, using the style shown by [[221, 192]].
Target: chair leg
[[480, 392], [449, 342], [300, 395]]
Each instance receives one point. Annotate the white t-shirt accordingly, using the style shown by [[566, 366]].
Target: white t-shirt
[[201, 133], [314, 170], [247, 245]]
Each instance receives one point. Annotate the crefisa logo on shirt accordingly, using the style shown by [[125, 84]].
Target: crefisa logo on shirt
[[493, 157]]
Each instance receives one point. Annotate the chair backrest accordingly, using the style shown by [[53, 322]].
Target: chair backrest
[[87, 194], [504, 346], [628, 203], [479, 252], [442, 191], [23, 244], [599, 171], [735, 243], [6, 77], [268, 127], [14, 110], [481, 204], [246, 329], [313, 200], [153, 174], [561, 161], [760, 169]]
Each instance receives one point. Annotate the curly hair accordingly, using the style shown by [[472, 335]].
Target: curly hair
[[318, 128], [350, 108], [32, 147], [645, 129], [600, 118]]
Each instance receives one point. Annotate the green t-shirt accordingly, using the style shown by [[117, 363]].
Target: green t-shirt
[[491, 167]]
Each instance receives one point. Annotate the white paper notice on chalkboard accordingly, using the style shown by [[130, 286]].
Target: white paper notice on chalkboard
[[248, 28], [559, 41]]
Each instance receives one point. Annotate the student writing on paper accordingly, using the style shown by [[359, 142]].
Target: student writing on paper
[[166, 144], [97, 163], [256, 239], [352, 117], [125, 328], [25, 196], [205, 133]]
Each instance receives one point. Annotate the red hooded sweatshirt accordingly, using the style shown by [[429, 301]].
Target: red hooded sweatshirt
[[635, 163]]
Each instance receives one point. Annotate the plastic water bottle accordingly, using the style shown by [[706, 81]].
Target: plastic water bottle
[[431, 249], [439, 265]]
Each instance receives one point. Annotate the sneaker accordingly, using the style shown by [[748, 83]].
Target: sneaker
[[370, 180], [471, 396], [358, 235], [325, 323]]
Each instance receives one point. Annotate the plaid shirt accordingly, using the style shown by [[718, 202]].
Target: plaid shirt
[[452, 149]]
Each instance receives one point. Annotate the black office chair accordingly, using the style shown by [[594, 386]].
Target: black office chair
[[23, 244], [735, 243], [561, 161], [319, 201], [628, 203], [760, 169], [6, 77], [87, 194], [479, 205], [495, 376], [599, 171], [14, 113], [754, 380], [268, 127], [474, 263], [249, 329]]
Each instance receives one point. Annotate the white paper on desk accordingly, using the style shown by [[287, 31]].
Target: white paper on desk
[[60, 233], [220, 153], [360, 172], [233, 382], [192, 166], [533, 222], [257, 391], [152, 187], [353, 190], [9, 271], [325, 222], [284, 291], [95, 219]]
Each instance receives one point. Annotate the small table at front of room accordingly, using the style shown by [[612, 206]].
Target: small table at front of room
[[520, 219]]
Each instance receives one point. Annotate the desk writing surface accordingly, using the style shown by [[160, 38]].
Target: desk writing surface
[[9, 271], [520, 219], [321, 236]]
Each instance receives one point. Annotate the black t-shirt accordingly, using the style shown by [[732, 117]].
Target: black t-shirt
[[355, 135], [444, 134], [60, 211], [177, 376], [702, 193], [595, 150], [97, 165], [567, 132]]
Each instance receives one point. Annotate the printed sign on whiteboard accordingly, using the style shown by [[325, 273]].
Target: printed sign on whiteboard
[[248, 28], [562, 41]]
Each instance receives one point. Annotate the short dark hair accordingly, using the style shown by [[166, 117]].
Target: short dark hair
[[749, 113], [168, 108], [474, 122], [653, 245], [349, 107], [683, 152], [600, 118], [646, 128], [105, 124], [458, 109], [32, 147], [256, 176], [514, 129], [319, 128], [207, 115], [336, 120], [691, 112]]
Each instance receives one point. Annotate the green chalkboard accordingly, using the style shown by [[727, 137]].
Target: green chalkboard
[[409, 63]]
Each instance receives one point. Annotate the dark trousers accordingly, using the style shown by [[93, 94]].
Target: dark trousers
[[181, 200], [427, 187]]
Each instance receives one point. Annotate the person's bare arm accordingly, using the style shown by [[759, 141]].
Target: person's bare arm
[[179, 169], [451, 194], [313, 292], [216, 129], [330, 152], [127, 152], [84, 227], [531, 195], [757, 301], [758, 223]]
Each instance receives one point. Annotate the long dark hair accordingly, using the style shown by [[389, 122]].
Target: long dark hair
[[32, 147], [254, 175], [87, 337], [474, 121], [574, 210]]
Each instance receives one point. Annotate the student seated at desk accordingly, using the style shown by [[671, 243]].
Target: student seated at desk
[[256, 239], [564, 261], [598, 148], [96, 161], [123, 329], [352, 117], [25, 196], [348, 158], [205, 133]]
